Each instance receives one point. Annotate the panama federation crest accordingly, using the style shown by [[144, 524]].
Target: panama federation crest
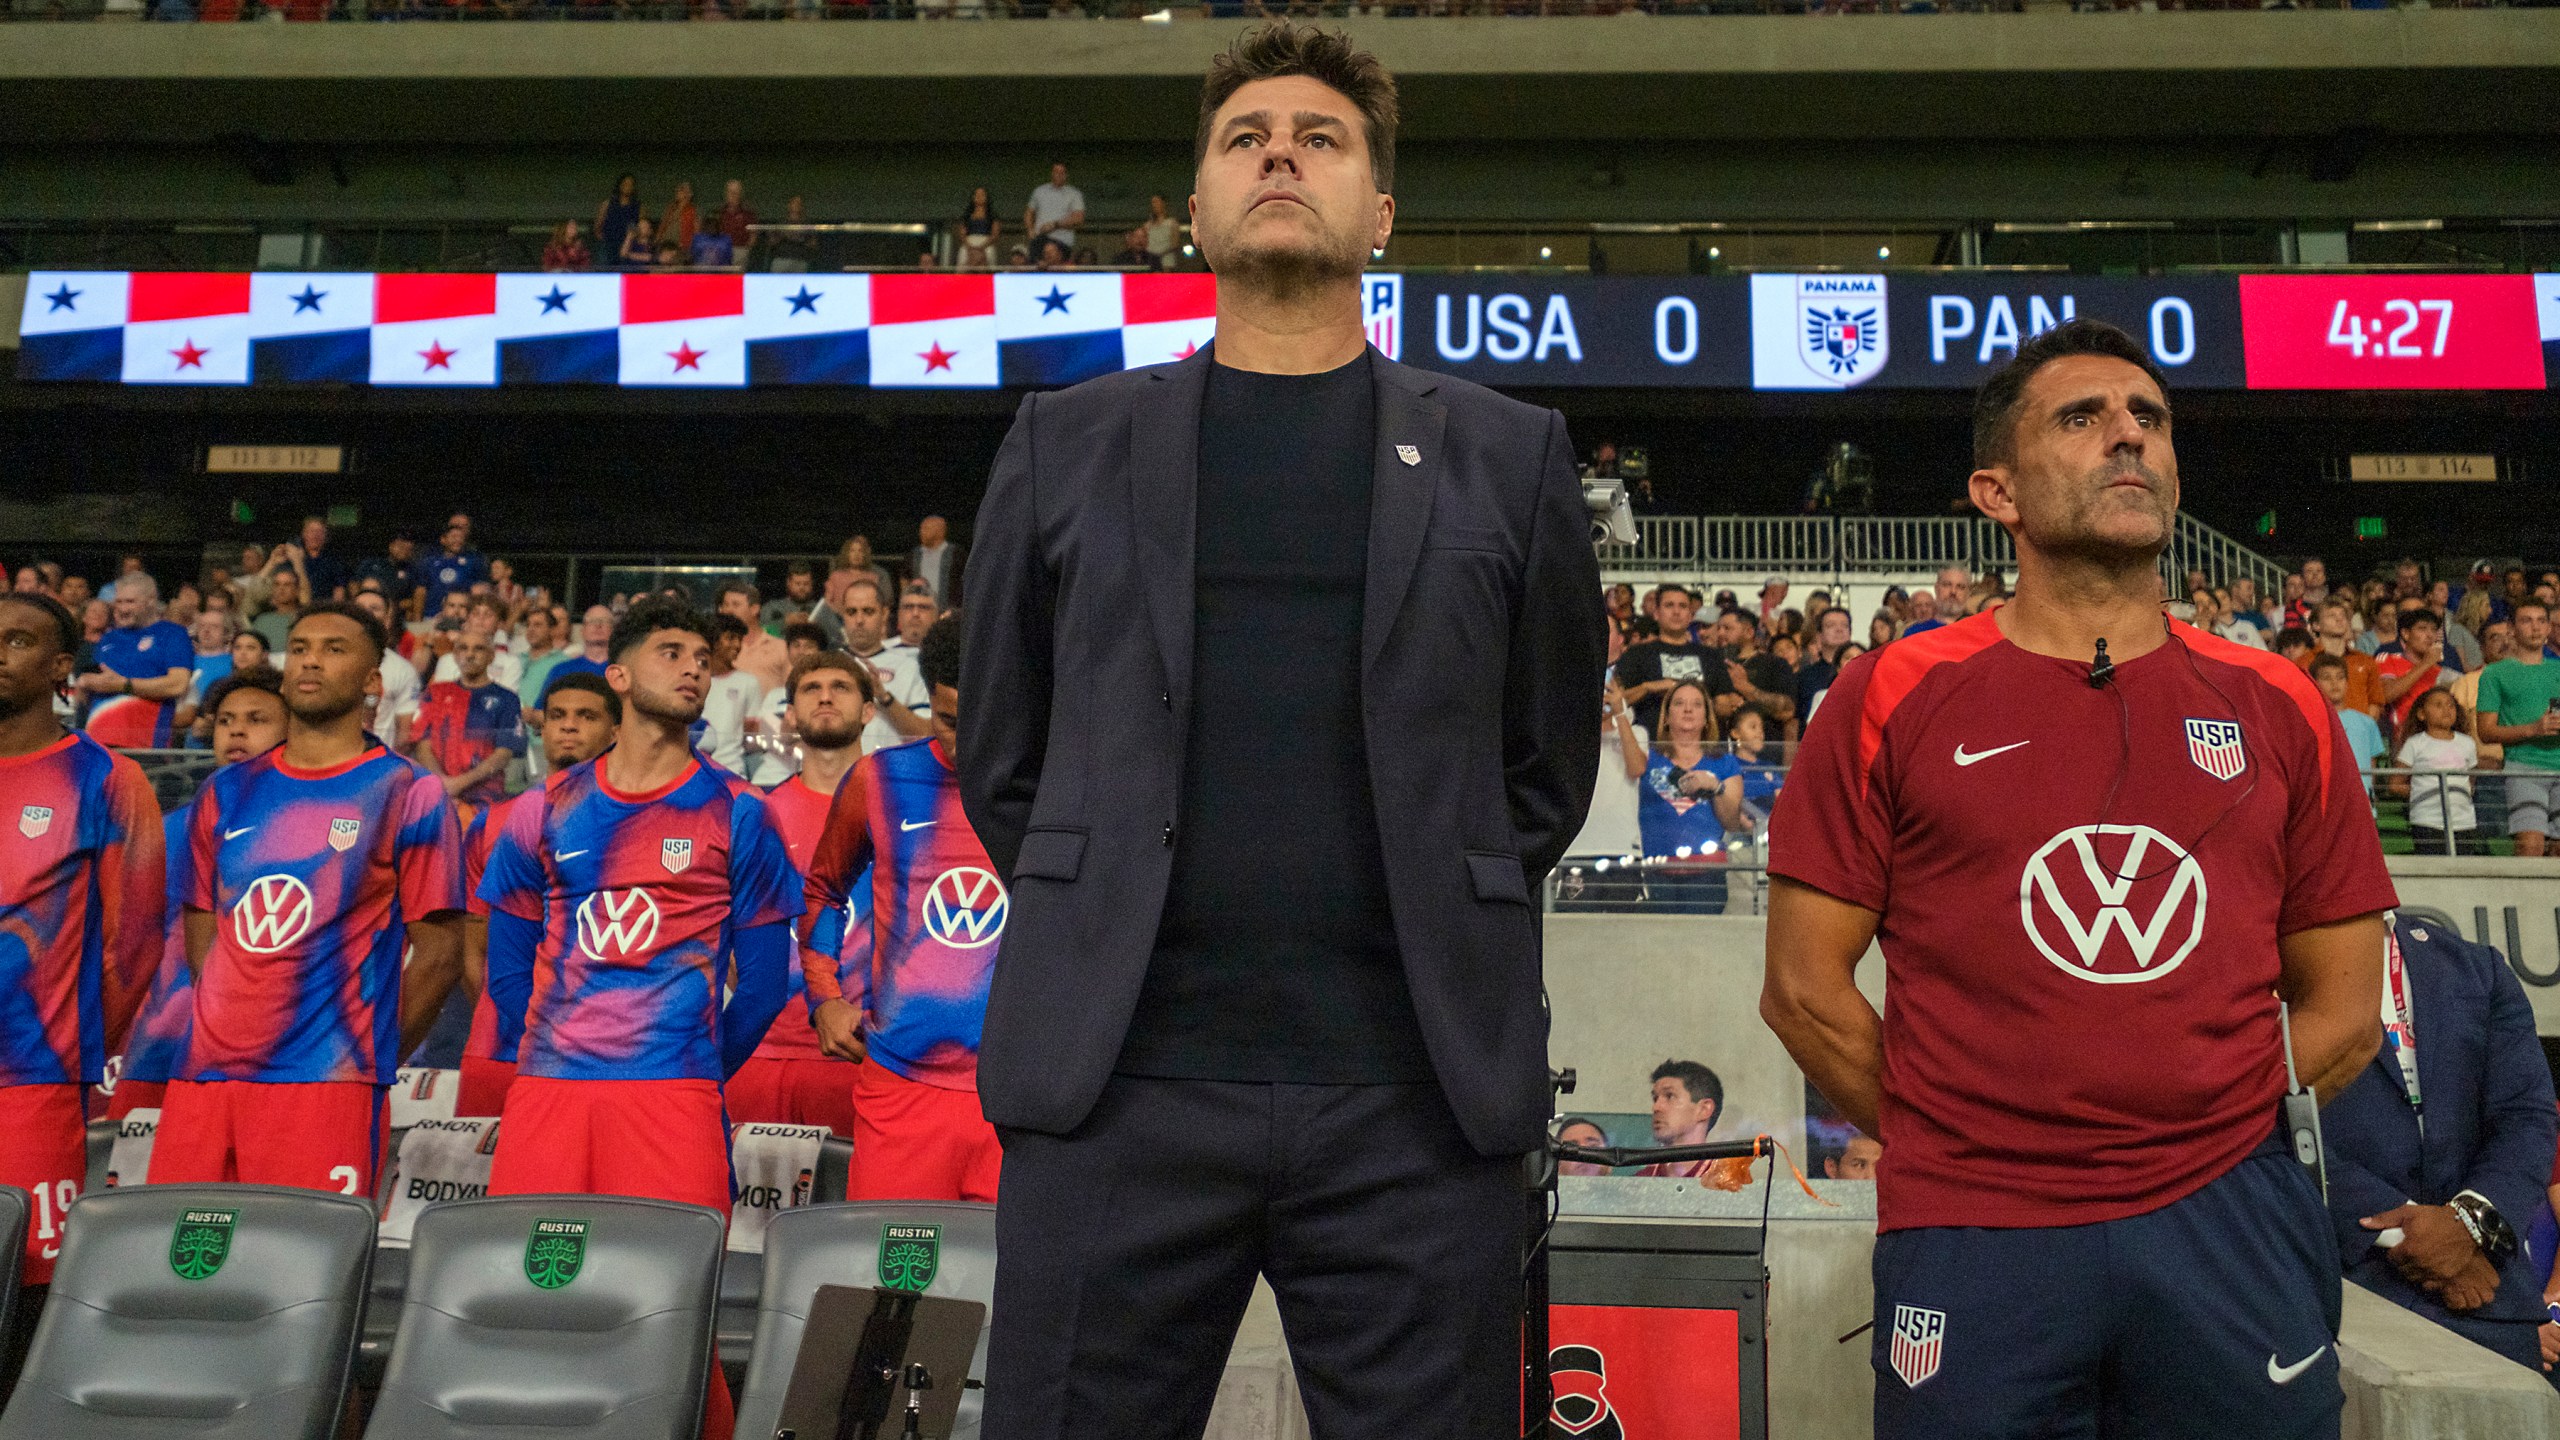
[[555, 1252], [34, 820], [2215, 747], [201, 1242], [1840, 326], [910, 1256]]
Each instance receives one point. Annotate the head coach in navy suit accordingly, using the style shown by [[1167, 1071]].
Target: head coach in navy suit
[[2456, 1157], [1281, 665]]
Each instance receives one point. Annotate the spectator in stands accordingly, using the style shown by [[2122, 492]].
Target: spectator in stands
[[1882, 629], [283, 607], [1857, 1161], [1651, 668], [504, 588], [938, 561], [737, 222], [802, 639], [799, 597], [2295, 644], [2462, 1188], [1163, 232], [75, 592], [1133, 253], [469, 728], [394, 572], [2412, 664], [567, 251], [2315, 582], [2520, 710], [2334, 634], [213, 634], [1757, 677], [595, 636], [2214, 618], [2377, 625], [1050, 219], [732, 699], [1687, 1098], [1691, 799], [485, 618], [639, 247], [1830, 650], [2440, 812], [1585, 1132], [1751, 735], [542, 651], [712, 250], [2249, 608], [901, 706], [1610, 827], [793, 251], [454, 567], [2364, 737], [143, 668], [2497, 642], [679, 222], [1952, 596], [916, 614], [855, 554], [1773, 598], [324, 571], [978, 232], [616, 214], [1923, 610], [829, 614], [759, 654]]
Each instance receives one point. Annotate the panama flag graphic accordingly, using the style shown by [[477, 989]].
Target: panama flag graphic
[[1056, 328], [559, 329], [684, 330], [933, 330], [73, 326], [310, 328], [809, 329], [1167, 317], [435, 330], [187, 329]]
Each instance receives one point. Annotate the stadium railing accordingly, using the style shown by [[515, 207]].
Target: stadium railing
[[219, 11]]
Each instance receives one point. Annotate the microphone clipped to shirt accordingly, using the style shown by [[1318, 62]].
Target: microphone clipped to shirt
[[2101, 669]]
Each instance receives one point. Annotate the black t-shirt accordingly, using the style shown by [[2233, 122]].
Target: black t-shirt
[[1276, 957], [1811, 681], [1654, 660], [1769, 675]]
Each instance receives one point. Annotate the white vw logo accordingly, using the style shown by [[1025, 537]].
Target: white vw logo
[[965, 908], [272, 913], [617, 924], [2171, 878]]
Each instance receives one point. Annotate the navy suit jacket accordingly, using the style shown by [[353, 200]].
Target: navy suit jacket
[[2490, 1124], [1482, 648]]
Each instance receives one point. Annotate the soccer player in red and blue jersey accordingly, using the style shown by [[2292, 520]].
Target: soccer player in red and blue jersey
[[791, 1079], [81, 886], [315, 865], [919, 1006], [578, 716], [2096, 849], [247, 707]]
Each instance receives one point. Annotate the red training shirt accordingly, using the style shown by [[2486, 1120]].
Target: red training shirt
[[2064, 1044]]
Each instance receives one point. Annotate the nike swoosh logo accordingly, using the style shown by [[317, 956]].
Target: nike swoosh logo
[[236, 834], [567, 855], [2285, 1374], [906, 825], [1978, 756]]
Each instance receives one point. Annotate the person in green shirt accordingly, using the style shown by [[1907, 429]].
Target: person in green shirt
[[2520, 709], [541, 652]]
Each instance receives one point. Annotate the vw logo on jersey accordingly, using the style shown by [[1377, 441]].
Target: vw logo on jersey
[[34, 820], [965, 908], [2092, 883], [343, 832], [676, 855], [617, 924], [271, 914]]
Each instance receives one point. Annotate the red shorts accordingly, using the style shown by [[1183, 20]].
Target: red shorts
[[484, 1087], [913, 1141], [44, 1150], [325, 1135], [132, 1095], [654, 1139], [793, 1092]]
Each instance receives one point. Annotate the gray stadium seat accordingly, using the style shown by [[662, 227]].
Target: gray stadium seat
[[13, 1234], [742, 1275], [606, 1338], [205, 1311], [840, 1245]]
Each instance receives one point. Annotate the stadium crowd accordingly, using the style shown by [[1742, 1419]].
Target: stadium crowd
[[308, 11]]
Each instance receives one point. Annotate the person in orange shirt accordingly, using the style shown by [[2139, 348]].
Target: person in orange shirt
[[2334, 627]]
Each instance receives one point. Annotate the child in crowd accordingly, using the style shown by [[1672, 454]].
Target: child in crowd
[[2440, 813], [2364, 737]]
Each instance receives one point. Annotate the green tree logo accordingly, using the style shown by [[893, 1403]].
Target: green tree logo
[[910, 1256], [555, 1252], [201, 1242]]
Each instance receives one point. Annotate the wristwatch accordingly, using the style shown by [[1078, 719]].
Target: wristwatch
[[2489, 1229]]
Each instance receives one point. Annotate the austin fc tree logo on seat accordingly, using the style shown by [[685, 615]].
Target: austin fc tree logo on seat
[[1579, 1378], [910, 1256], [271, 914], [617, 924], [2215, 747], [201, 1242], [965, 908], [1919, 1339], [555, 1252], [2091, 884]]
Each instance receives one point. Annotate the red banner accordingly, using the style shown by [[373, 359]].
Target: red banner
[[1628, 1372], [2390, 332]]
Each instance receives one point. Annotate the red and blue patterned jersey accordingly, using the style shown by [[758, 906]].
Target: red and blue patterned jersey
[[484, 1043], [638, 897], [800, 815], [466, 724], [157, 1044], [937, 911], [313, 877], [81, 890]]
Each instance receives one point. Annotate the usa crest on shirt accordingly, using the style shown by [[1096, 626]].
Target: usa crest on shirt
[[2215, 747], [343, 832], [676, 855], [34, 820]]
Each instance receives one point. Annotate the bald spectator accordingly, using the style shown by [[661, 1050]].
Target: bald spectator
[[143, 666], [1924, 613], [937, 560]]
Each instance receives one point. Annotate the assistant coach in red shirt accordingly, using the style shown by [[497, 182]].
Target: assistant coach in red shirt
[[2096, 847]]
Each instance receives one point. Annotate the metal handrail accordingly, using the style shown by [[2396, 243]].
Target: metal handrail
[[1839, 546]]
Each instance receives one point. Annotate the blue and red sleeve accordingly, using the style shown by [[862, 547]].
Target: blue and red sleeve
[[427, 856]]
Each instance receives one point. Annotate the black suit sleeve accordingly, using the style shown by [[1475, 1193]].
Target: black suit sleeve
[[1008, 666], [955, 566], [1558, 654]]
